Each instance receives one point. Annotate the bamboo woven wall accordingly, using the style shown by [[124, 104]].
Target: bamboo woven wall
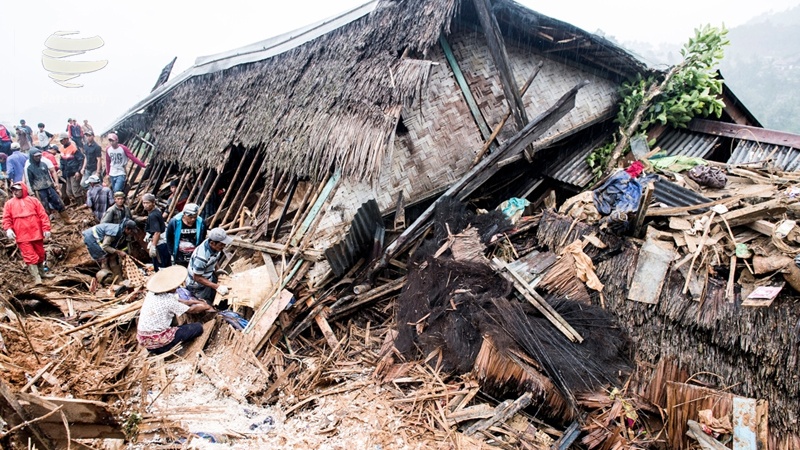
[[553, 80], [441, 136]]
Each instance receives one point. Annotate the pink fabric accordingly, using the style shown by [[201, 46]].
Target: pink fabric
[[157, 340], [635, 169]]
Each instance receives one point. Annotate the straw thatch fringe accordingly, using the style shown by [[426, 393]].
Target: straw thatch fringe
[[754, 351], [332, 101]]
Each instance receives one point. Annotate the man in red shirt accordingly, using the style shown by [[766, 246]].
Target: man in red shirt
[[25, 221]]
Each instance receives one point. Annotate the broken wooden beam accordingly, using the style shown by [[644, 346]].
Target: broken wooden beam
[[473, 179], [279, 249], [536, 300], [503, 412], [497, 50]]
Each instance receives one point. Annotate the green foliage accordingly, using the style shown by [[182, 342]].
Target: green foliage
[[131, 426], [689, 89]]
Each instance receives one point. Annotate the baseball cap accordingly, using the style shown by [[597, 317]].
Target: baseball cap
[[88, 133], [129, 224], [62, 136], [36, 151], [93, 179], [219, 235], [112, 137], [15, 146], [119, 194], [17, 185], [191, 209]]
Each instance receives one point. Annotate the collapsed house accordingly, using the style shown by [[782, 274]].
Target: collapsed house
[[318, 147]]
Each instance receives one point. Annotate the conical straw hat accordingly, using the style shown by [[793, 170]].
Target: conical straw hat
[[167, 279]]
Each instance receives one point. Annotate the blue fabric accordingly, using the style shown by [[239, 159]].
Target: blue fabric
[[174, 231], [95, 251], [164, 259], [50, 197], [16, 166], [117, 183], [619, 193]]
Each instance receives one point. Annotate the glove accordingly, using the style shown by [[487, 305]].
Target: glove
[[223, 290], [11, 235], [152, 251], [46, 235]]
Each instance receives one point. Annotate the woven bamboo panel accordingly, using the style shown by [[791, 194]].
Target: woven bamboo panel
[[551, 83]]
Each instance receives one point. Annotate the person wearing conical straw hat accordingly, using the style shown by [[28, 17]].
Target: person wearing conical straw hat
[[155, 331]]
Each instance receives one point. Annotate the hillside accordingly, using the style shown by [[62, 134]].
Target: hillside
[[761, 66]]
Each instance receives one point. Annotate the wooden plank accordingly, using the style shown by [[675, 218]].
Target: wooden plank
[[497, 49], [198, 344], [503, 412], [87, 419], [641, 212], [7, 397], [462, 84], [278, 249], [705, 441], [752, 213], [651, 269], [536, 300], [312, 214], [744, 132], [272, 273], [260, 326]]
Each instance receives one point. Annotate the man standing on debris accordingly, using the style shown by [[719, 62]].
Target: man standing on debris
[[92, 163], [117, 157], [105, 239], [26, 221], [154, 330], [117, 212], [202, 279], [184, 233], [16, 163], [72, 162], [42, 178], [98, 197], [156, 233]]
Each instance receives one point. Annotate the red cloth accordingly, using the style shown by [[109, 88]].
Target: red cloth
[[26, 216], [635, 169], [52, 159], [32, 252]]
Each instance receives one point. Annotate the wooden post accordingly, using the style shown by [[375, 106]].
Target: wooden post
[[266, 193], [178, 191], [211, 190], [238, 192], [228, 191], [146, 185], [201, 180], [462, 83], [289, 196], [497, 49]]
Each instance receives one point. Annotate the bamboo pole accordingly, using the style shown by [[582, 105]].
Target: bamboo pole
[[238, 192], [211, 190], [228, 191], [199, 185], [286, 205], [177, 195]]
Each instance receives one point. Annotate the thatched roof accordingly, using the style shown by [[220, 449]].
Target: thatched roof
[[333, 99]]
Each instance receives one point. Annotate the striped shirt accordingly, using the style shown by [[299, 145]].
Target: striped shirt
[[203, 262]]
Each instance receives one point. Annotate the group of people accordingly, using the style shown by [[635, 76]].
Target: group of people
[[182, 249]]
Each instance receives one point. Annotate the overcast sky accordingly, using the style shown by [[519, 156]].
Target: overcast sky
[[141, 37]]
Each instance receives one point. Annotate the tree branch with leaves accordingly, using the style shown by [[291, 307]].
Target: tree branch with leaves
[[688, 89]]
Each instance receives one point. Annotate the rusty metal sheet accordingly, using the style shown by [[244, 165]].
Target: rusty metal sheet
[[366, 223]]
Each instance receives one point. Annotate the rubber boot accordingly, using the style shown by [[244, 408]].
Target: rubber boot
[[65, 217], [34, 270], [42, 272]]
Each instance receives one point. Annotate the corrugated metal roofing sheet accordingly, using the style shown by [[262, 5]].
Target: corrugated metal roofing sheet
[[576, 172], [366, 223], [787, 158], [687, 143]]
